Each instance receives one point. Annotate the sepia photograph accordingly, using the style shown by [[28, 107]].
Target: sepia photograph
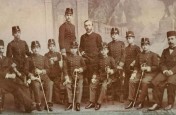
[[82, 57]]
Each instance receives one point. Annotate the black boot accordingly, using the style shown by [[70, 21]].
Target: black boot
[[77, 107], [140, 106], [38, 107], [70, 105], [98, 106], [90, 105], [130, 105], [50, 105]]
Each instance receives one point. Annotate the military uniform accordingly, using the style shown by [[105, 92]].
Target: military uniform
[[90, 44], [6, 84], [131, 52], [103, 63], [37, 61], [150, 59], [18, 49], [66, 36], [55, 74], [146, 59], [72, 63], [117, 51]]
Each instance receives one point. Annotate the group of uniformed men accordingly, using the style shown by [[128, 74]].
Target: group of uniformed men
[[101, 64]]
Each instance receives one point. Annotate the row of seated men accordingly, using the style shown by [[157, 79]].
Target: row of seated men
[[45, 72]]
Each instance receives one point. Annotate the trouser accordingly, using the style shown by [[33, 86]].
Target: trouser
[[56, 88], [159, 84], [47, 86], [79, 89], [158, 92], [133, 85], [126, 83], [94, 90], [20, 92]]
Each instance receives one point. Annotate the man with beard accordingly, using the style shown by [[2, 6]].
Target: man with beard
[[167, 76], [90, 45]]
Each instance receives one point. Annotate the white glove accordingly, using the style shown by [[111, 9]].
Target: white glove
[[133, 75], [51, 61], [80, 70], [67, 79], [110, 71], [29, 81], [119, 67], [11, 76], [83, 52], [93, 80], [13, 65], [170, 72]]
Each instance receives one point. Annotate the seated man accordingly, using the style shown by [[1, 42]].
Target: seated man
[[146, 66], [7, 75], [36, 68], [74, 65], [167, 75], [106, 67]]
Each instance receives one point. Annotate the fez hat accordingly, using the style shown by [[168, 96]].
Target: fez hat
[[74, 45], [104, 45], [171, 33], [130, 34], [114, 31], [145, 41], [35, 44], [1, 42], [51, 41], [15, 29], [69, 11]]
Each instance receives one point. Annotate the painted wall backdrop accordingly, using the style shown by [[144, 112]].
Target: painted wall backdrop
[[40, 19]]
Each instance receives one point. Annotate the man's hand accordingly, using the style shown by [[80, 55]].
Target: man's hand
[[11, 76], [80, 70], [38, 71], [133, 75], [13, 65], [67, 80], [93, 81], [109, 71], [83, 53]]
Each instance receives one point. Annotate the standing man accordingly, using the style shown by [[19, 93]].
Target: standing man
[[67, 33], [117, 51], [131, 52], [167, 75], [90, 45], [18, 50]]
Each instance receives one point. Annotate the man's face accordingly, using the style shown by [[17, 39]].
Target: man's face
[[145, 47], [115, 36], [52, 47], [36, 50], [172, 41], [88, 26], [130, 40], [68, 17], [104, 51], [17, 34], [1, 49], [74, 50]]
